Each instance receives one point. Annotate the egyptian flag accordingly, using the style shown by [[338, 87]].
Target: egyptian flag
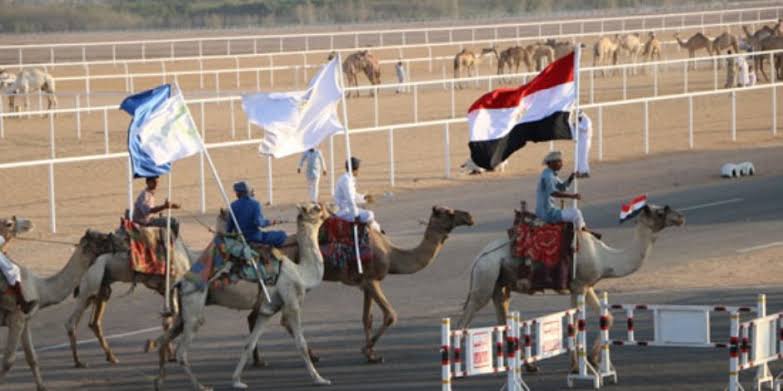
[[631, 209], [505, 119]]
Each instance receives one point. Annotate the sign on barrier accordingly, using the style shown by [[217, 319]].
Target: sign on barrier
[[549, 330], [478, 355], [675, 326]]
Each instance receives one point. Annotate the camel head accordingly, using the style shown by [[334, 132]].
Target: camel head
[[489, 51], [95, 243], [658, 218], [312, 213], [15, 226], [446, 219]]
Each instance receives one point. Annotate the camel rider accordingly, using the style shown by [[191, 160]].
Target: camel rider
[[251, 219], [13, 277], [145, 208], [551, 187], [346, 198]]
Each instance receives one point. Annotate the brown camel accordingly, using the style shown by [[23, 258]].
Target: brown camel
[[47, 292], [513, 56], [772, 42], [465, 62], [388, 259], [541, 55], [697, 42], [361, 61], [605, 53], [764, 32], [561, 48], [652, 48], [723, 42]]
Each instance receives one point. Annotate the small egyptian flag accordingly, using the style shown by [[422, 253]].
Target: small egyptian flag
[[631, 209], [504, 120]]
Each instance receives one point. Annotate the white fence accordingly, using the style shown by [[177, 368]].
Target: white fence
[[323, 53], [377, 36], [598, 108]]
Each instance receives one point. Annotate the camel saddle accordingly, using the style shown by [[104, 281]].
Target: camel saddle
[[147, 249], [227, 260], [544, 250], [337, 243]]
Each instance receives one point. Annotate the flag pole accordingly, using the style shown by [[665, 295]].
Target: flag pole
[[167, 295], [349, 163], [228, 203], [575, 130]]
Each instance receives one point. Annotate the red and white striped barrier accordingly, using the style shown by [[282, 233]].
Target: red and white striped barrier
[[752, 344], [470, 352]]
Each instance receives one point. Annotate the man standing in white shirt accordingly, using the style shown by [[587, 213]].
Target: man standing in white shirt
[[743, 74], [400, 70], [346, 198], [314, 164], [585, 136]]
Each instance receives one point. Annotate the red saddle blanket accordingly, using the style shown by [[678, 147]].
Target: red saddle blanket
[[337, 243], [548, 249], [147, 249]]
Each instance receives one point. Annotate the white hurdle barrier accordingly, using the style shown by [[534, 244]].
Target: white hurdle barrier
[[470, 352], [752, 344]]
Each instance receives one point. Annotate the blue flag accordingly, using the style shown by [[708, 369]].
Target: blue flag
[[140, 106]]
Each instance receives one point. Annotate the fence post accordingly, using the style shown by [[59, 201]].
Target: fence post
[[391, 157], [201, 163], [258, 79], [272, 71], [715, 73], [453, 108], [127, 78], [163, 72], [84, 54], [445, 352], [375, 105], [592, 86], [269, 179], [600, 133], [416, 103], [52, 154], [685, 76], [447, 151], [217, 83], [236, 63], [625, 83], [304, 67], [171, 51], [228, 47], [87, 83], [646, 127], [78, 118], [233, 121], [734, 115], [655, 79], [690, 122], [734, 353], [281, 44], [429, 54], [774, 110]]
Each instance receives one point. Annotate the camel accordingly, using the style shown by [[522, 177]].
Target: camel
[[466, 62], [652, 48], [631, 44], [513, 56], [494, 273], [390, 259], [13, 227], [561, 48], [541, 55], [772, 42], [95, 290], [605, 53], [7, 79], [760, 34], [30, 80], [287, 297], [47, 292], [361, 61], [697, 42], [723, 42]]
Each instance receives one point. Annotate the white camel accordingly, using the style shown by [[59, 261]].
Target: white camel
[[287, 296], [28, 81], [6, 79], [494, 274]]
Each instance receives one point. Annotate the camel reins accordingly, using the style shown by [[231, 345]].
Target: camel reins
[[64, 243]]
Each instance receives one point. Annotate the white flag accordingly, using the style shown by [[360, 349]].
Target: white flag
[[169, 133], [299, 120]]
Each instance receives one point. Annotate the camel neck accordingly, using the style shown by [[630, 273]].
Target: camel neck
[[55, 289], [630, 259], [311, 266], [409, 261]]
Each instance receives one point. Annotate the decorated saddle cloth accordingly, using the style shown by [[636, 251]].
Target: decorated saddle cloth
[[148, 251], [545, 253], [227, 260], [337, 243]]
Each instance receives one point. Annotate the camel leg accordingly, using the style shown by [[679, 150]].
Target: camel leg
[[284, 321], [72, 324], [595, 305], [32, 359], [250, 345], [389, 319], [574, 364], [476, 300], [16, 324], [501, 298], [164, 354], [96, 325], [258, 361], [294, 316]]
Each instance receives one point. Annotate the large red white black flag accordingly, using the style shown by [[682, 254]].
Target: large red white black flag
[[504, 120]]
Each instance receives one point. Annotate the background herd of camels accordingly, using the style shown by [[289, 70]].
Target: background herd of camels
[[606, 51]]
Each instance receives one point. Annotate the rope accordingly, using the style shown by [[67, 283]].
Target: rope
[[64, 243]]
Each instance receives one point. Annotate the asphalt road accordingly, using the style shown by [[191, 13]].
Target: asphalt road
[[722, 217]]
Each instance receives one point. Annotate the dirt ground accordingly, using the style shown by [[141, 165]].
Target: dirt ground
[[94, 194]]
